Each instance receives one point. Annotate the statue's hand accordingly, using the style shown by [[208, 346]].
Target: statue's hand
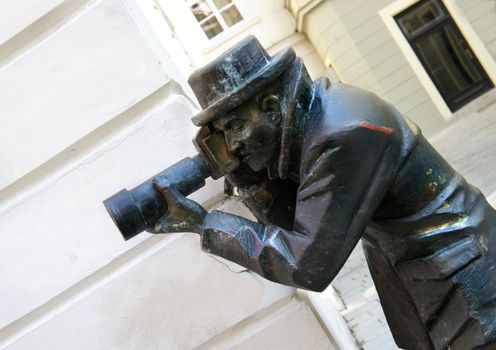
[[183, 215]]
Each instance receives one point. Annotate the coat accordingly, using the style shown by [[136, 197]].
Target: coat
[[367, 172]]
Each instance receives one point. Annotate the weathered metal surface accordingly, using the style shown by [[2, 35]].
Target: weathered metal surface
[[139, 209], [322, 166]]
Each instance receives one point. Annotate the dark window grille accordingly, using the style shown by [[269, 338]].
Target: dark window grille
[[215, 16], [443, 52]]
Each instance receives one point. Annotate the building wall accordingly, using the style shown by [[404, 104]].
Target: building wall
[[303, 49], [354, 39], [351, 36], [90, 104], [482, 17], [42, 87], [269, 21]]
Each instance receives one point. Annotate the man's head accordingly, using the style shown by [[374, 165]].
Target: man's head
[[252, 130], [251, 97]]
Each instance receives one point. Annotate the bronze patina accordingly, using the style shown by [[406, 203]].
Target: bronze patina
[[322, 165]]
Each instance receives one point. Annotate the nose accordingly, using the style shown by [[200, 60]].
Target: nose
[[236, 146]]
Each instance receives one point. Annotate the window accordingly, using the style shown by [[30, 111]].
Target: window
[[215, 16], [444, 52]]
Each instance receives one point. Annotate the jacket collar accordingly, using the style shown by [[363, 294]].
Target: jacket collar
[[299, 107]]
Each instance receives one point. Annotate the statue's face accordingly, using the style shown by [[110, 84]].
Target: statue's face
[[252, 131]]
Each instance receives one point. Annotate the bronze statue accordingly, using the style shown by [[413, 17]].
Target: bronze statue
[[322, 165]]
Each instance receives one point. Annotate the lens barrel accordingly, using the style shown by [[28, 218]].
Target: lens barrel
[[134, 211]]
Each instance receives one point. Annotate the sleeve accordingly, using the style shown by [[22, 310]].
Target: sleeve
[[342, 181], [271, 201]]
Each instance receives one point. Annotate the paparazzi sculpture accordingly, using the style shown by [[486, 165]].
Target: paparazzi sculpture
[[322, 165]]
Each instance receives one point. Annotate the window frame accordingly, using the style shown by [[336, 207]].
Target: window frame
[[445, 21], [216, 13], [457, 14]]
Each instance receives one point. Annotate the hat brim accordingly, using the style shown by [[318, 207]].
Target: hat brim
[[250, 88]]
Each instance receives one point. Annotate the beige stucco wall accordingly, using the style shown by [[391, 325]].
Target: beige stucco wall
[[351, 36], [482, 17], [91, 104]]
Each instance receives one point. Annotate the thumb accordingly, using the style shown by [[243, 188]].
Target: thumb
[[169, 192]]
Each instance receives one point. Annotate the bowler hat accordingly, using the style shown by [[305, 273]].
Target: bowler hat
[[234, 77]]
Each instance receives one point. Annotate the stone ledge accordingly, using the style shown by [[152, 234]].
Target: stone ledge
[[289, 325], [177, 298], [55, 237]]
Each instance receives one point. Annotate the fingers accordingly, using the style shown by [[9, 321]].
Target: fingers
[[182, 215], [169, 225], [159, 183], [170, 192]]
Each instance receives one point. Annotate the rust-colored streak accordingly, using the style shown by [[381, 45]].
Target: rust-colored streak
[[378, 128]]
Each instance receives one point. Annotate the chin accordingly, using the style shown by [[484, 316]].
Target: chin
[[256, 166]]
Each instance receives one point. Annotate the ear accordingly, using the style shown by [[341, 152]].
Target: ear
[[271, 105]]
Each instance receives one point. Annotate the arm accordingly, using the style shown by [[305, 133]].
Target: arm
[[271, 201], [342, 182]]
